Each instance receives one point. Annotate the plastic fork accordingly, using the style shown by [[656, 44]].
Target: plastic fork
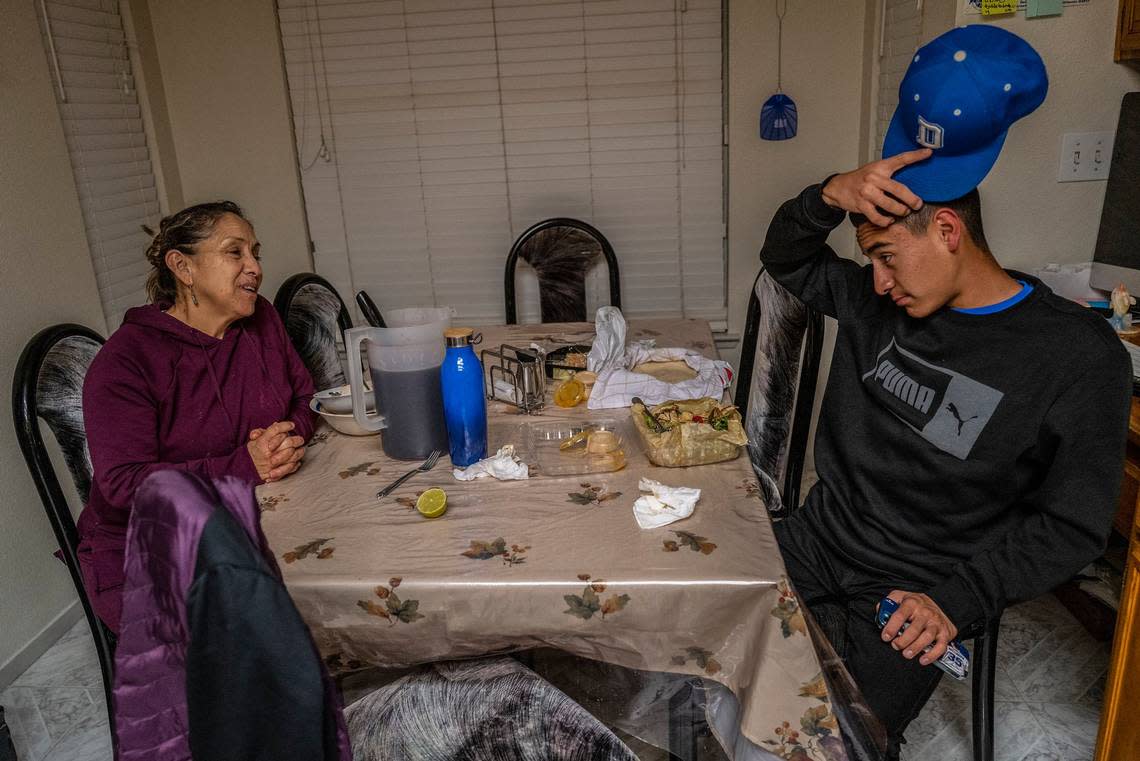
[[429, 463]]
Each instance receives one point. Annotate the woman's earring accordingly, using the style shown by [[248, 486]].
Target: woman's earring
[[193, 296]]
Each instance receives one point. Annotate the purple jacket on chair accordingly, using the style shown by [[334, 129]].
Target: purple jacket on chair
[[213, 660]]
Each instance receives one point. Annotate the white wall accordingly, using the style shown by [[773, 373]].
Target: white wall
[[213, 80], [47, 278], [823, 72], [224, 83], [1030, 218]]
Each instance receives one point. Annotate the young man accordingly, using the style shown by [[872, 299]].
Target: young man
[[971, 440]]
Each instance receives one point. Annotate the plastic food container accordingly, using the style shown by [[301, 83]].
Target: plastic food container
[[603, 445]]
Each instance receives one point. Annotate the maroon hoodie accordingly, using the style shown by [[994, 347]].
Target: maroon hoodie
[[163, 395]]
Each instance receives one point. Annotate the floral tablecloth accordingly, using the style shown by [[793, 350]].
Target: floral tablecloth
[[554, 562]]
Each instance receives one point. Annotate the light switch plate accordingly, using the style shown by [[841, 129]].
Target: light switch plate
[[1085, 156]]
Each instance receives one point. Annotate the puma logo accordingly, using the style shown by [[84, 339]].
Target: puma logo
[[903, 387], [958, 416]]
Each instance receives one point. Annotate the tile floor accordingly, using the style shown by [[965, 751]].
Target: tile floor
[[56, 709], [1049, 691]]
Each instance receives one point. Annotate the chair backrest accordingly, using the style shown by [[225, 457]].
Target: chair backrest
[[48, 386], [368, 308], [561, 250], [479, 710], [314, 315], [776, 385]]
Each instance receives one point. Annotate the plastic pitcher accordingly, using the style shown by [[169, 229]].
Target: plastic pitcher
[[403, 361]]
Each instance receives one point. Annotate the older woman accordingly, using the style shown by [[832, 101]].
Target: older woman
[[202, 379]]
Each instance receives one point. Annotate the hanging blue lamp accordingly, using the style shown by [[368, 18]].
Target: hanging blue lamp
[[778, 117]]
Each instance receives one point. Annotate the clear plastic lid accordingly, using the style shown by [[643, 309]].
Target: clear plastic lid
[[578, 447]]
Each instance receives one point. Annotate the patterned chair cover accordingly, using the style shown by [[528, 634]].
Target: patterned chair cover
[[772, 394], [59, 403], [482, 710], [562, 251], [312, 317]]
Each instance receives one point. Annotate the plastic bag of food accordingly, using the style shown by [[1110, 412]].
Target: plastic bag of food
[[678, 434], [651, 373]]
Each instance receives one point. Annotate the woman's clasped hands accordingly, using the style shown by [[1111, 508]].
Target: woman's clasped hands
[[275, 453]]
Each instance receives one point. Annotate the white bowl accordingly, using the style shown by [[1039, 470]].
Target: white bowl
[[345, 424], [339, 400]]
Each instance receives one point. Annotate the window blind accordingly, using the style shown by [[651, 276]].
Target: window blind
[[102, 124], [431, 133]]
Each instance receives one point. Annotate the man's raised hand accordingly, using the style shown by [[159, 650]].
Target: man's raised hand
[[869, 190]]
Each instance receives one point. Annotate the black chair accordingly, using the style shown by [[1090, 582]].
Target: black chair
[[519, 715], [368, 308], [561, 250], [315, 317], [983, 661], [48, 386], [789, 335]]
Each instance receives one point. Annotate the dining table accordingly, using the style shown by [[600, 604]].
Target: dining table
[[558, 562]]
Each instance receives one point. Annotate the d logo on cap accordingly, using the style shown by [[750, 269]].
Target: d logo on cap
[[929, 135]]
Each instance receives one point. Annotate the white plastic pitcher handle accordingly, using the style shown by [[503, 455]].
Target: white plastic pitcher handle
[[353, 337]]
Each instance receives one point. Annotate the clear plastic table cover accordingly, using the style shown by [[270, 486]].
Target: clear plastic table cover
[[692, 619]]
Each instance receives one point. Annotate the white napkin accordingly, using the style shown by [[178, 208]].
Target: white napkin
[[667, 503], [608, 349], [504, 391], [503, 465]]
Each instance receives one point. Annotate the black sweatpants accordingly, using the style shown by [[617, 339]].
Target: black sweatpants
[[895, 688]]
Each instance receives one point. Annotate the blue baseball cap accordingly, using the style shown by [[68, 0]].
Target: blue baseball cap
[[959, 96]]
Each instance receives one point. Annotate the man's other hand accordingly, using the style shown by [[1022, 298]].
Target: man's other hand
[[928, 626], [870, 191]]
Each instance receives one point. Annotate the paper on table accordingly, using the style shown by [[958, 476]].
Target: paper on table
[[667, 503]]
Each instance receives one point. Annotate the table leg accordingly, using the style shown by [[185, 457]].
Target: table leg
[[682, 723]]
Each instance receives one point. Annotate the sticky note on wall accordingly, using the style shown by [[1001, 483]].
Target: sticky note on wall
[[995, 7], [1035, 8]]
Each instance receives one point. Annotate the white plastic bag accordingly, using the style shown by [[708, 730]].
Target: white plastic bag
[[608, 351], [1070, 281]]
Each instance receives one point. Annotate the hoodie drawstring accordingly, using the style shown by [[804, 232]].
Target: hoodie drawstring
[[265, 371], [218, 389]]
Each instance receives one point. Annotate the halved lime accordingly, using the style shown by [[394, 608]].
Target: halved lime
[[432, 503]]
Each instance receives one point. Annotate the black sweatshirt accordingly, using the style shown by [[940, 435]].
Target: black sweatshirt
[[974, 457]]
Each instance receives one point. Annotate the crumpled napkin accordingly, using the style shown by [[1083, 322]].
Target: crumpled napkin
[[608, 349], [503, 465], [504, 391], [667, 503]]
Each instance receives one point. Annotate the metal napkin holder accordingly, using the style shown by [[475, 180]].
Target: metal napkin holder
[[523, 370]]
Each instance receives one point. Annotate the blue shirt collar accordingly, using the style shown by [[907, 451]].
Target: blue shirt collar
[[1026, 289]]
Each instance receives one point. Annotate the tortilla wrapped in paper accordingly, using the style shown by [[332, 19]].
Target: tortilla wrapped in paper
[[696, 432]]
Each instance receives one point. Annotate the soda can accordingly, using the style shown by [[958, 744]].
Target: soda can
[[955, 661]]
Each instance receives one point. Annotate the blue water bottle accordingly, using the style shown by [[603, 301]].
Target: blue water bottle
[[464, 406]]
